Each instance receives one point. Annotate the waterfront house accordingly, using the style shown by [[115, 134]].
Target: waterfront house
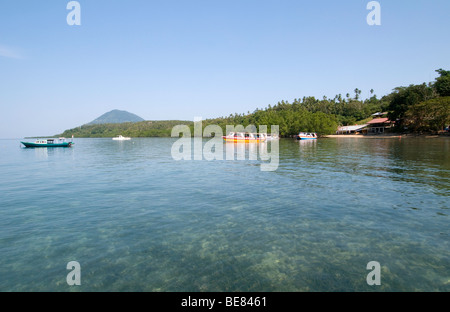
[[379, 125]]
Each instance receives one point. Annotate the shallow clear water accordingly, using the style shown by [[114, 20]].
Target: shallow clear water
[[137, 220]]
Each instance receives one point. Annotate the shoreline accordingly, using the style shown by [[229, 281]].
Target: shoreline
[[359, 136], [386, 136]]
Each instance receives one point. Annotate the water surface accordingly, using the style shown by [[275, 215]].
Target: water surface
[[137, 220]]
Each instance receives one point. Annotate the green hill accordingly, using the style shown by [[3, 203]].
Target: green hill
[[160, 128], [116, 116]]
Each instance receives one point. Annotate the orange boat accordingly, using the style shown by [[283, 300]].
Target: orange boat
[[243, 137]]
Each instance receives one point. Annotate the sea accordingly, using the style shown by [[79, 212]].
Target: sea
[[333, 215]]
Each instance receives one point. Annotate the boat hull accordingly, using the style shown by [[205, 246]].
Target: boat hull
[[232, 140], [303, 139], [65, 144]]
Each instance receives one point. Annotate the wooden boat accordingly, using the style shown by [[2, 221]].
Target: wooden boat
[[243, 137], [61, 142], [307, 136]]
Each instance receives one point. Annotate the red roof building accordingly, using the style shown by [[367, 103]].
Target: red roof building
[[380, 125]]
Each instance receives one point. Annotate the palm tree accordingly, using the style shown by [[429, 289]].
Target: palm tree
[[357, 93]]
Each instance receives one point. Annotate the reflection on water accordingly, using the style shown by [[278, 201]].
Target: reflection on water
[[41, 153], [137, 220]]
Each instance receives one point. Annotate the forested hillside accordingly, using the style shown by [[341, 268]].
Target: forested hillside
[[415, 108]]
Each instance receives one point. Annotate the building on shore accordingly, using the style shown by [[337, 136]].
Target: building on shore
[[356, 129], [380, 126]]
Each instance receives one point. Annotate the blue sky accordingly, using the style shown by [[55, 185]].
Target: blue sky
[[176, 59]]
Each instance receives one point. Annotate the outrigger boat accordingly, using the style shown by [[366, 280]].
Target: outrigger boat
[[243, 137], [307, 136], [61, 142]]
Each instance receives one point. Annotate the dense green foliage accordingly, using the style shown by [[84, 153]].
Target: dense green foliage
[[405, 97], [442, 83], [422, 107], [136, 130], [431, 115], [308, 115]]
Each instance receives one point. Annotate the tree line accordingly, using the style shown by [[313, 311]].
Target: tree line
[[160, 128], [415, 108]]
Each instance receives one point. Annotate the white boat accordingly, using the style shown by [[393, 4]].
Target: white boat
[[307, 136], [271, 137], [121, 138]]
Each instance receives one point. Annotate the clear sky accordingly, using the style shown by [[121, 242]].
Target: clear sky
[[178, 59]]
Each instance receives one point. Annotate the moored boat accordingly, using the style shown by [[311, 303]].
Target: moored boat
[[307, 136], [272, 137], [121, 138], [244, 137], [61, 142]]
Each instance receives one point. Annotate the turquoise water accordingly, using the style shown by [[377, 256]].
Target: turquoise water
[[137, 220]]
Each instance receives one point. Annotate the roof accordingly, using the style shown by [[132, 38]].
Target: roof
[[352, 128], [379, 120]]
